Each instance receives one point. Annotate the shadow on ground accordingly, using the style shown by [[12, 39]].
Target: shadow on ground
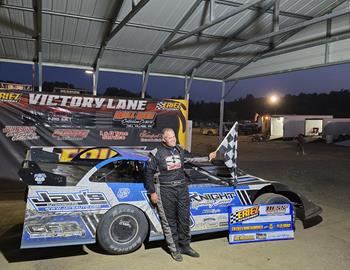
[[11, 190], [161, 243], [10, 243], [312, 222]]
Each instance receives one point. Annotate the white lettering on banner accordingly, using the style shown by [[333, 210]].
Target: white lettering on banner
[[110, 104], [43, 100], [142, 105], [87, 102], [34, 99], [121, 105], [50, 100], [132, 105], [99, 102], [65, 100], [76, 101]]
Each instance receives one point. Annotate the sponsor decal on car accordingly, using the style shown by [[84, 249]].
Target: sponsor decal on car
[[210, 199], [67, 154], [114, 135], [210, 222], [21, 133], [54, 229], [77, 201], [39, 178], [9, 97], [211, 211], [70, 134], [123, 193]]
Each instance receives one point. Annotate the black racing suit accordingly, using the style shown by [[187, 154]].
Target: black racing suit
[[166, 166]]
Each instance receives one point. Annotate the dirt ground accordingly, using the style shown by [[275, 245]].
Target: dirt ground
[[323, 176]]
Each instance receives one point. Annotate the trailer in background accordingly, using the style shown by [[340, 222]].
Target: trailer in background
[[289, 126], [337, 129]]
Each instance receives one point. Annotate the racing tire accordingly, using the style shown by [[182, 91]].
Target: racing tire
[[271, 198], [122, 229]]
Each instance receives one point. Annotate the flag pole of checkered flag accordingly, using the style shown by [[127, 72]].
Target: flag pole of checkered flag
[[228, 148]]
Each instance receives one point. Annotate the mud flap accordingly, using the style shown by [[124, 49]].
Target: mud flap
[[311, 210]]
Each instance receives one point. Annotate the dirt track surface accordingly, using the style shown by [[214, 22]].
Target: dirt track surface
[[323, 175]]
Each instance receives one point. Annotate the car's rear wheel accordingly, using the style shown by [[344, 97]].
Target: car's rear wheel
[[122, 229]]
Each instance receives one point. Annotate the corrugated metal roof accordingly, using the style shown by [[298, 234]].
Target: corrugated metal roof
[[311, 8], [124, 60], [16, 23], [138, 39], [73, 32], [220, 69]]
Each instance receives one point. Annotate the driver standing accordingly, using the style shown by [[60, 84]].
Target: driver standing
[[170, 194]]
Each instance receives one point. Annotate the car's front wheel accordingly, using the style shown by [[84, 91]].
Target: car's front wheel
[[122, 229]]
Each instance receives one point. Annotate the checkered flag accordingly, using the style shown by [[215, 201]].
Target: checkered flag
[[160, 105], [228, 148], [232, 218]]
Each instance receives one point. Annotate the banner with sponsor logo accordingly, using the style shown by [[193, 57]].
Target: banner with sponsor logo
[[256, 223], [49, 119], [15, 86]]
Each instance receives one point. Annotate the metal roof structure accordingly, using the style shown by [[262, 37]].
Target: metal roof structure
[[214, 39]]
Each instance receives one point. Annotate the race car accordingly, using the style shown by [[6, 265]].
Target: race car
[[107, 200]]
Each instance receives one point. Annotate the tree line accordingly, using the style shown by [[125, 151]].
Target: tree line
[[336, 103]]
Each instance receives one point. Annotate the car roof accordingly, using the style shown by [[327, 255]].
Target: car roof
[[131, 153]]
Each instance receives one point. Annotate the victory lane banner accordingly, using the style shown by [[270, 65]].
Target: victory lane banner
[[43, 119], [263, 222]]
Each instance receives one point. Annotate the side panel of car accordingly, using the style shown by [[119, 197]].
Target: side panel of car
[[135, 194], [82, 205], [209, 206], [63, 215]]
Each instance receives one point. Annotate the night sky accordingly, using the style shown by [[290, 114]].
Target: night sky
[[317, 80]]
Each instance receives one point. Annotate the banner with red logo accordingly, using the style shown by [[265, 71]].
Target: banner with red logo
[[49, 119]]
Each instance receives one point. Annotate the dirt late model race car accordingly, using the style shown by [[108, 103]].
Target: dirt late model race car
[[86, 199]]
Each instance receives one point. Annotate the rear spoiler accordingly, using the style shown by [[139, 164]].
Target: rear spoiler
[[38, 154]]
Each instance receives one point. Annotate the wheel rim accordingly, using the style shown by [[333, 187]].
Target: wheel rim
[[124, 229]]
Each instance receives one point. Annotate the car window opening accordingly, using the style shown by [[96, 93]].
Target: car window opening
[[121, 171]]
